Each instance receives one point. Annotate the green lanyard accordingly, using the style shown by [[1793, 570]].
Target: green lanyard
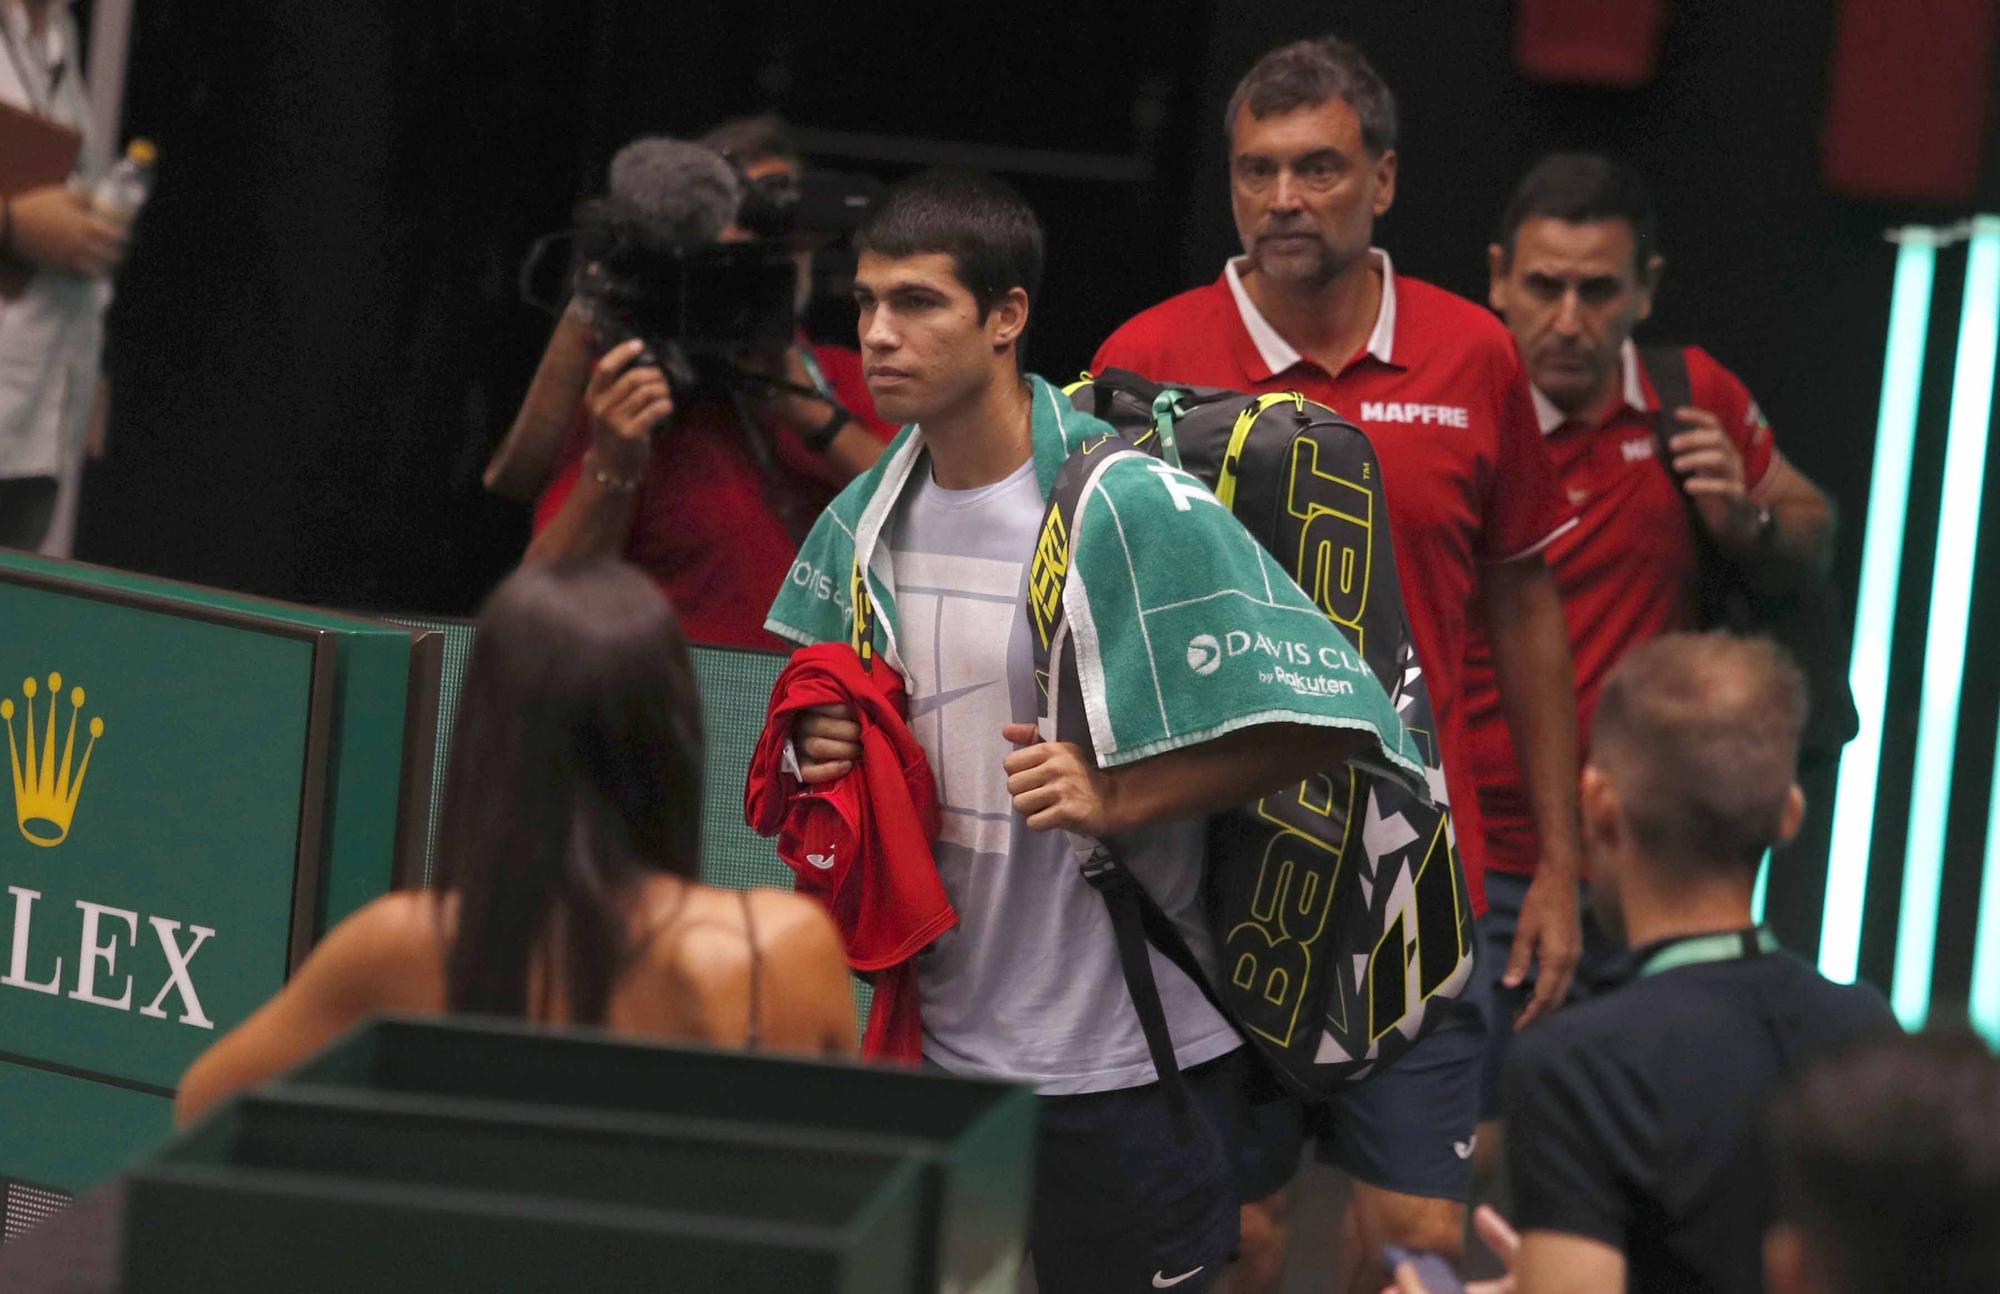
[[814, 372], [1729, 946]]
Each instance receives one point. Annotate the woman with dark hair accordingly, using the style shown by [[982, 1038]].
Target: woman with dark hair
[[567, 887]]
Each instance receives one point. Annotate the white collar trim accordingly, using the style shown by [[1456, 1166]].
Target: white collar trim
[[1634, 393], [1279, 354]]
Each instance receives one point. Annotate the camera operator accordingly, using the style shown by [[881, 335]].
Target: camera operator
[[708, 435]]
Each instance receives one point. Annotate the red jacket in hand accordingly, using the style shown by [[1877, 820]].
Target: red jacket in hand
[[860, 844]]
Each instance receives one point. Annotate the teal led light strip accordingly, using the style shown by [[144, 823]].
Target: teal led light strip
[[1984, 1007], [1875, 604], [1985, 1001], [1762, 891], [1951, 610]]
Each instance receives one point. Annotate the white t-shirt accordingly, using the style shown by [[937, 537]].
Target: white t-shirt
[[1028, 986]]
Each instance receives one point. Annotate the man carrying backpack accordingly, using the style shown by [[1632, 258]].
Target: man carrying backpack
[[1435, 383], [1574, 272], [927, 565]]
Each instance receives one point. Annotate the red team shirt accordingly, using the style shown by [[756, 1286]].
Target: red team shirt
[[1626, 570], [711, 529], [1441, 394]]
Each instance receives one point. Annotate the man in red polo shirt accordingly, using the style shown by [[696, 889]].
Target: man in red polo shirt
[[1436, 384], [1574, 271]]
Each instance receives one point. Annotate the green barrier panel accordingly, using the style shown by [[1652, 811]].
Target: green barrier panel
[[735, 689], [312, 1195], [734, 685], [454, 639], [974, 1138], [63, 1132], [196, 782]]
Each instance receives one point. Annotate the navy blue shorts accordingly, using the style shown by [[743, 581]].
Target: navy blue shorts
[[1125, 1199], [1600, 963], [1410, 1129]]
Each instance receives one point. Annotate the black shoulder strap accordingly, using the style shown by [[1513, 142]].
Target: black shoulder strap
[[1137, 920], [752, 1037], [1668, 369]]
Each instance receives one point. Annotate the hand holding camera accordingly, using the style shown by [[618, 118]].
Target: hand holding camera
[[627, 397]]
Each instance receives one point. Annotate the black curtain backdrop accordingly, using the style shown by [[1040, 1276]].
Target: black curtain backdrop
[[317, 341]]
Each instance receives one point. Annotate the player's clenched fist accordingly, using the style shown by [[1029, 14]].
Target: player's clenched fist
[[828, 741], [1055, 786]]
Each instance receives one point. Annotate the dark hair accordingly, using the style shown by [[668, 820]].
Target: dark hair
[[1582, 188], [749, 140], [988, 230], [1306, 74], [575, 769], [1889, 1164], [1699, 734]]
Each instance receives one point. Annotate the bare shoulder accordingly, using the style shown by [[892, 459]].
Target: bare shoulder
[[388, 946], [809, 1007], [785, 920], [702, 977], [693, 933], [394, 923], [714, 938]]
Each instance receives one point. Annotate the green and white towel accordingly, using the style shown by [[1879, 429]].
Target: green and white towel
[[1184, 627]]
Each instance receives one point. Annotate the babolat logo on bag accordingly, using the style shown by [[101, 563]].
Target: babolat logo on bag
[[1339, 905]]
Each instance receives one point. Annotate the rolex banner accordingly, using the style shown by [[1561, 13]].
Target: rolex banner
[[164, 807]]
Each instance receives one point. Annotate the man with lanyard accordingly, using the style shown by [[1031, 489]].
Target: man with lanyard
[[52, 332], [1635, 1119], [923, 564], [1574, 272], [708, 501], [1435, 383]]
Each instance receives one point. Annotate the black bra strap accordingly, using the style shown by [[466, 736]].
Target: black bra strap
[[750, 1035]]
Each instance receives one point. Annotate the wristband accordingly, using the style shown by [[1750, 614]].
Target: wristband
[[821, 436]]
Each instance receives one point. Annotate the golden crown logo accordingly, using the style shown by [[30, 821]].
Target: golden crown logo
[[45, 793]]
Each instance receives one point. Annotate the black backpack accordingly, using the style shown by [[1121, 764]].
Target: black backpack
[[1808, 620], [1338, 907]]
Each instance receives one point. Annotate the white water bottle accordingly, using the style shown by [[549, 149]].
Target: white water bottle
[[124, 188]]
